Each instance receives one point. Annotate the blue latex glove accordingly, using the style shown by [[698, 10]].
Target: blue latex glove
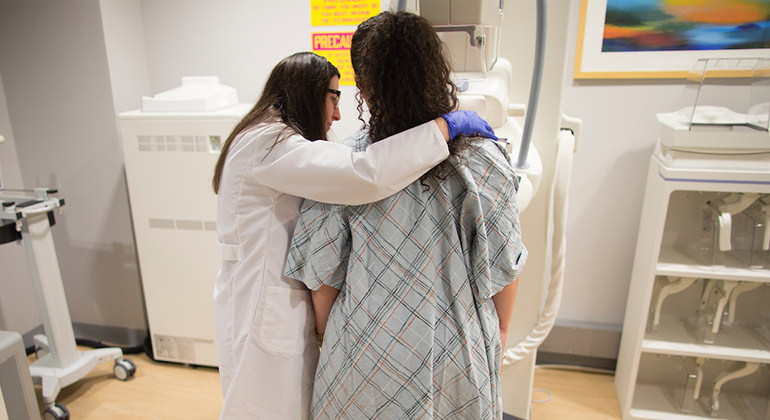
[[468, 123]]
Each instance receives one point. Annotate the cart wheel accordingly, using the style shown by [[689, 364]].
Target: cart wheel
[[56, 412], [124, 369]]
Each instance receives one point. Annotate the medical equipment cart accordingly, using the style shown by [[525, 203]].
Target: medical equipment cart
[[29, 214], [673, 360], [696, 334]]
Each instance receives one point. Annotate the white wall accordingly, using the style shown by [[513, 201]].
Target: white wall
[[609, 174], [16, 289], [57, 89], [126, 53], [238, 40]]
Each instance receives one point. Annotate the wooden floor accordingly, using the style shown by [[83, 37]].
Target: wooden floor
[[570, 394], [166, 391]]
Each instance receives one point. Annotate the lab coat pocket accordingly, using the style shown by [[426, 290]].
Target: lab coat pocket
[[285, 320]]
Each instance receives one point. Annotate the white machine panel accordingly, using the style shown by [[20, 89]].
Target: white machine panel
[[462, 12], [170, 159]]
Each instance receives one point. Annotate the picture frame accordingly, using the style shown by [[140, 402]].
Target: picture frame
[[593, 63]]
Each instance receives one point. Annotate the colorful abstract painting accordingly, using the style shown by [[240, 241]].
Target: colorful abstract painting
[[680, 25]]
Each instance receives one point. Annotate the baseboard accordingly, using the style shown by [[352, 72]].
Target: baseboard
[[99, 335], [557, 359], [585, 344]]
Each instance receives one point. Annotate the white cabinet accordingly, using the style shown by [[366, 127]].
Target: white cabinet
[[696, 334], [170, 158]]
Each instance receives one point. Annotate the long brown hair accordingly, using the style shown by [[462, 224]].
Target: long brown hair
[[295, 94], [402, 69]]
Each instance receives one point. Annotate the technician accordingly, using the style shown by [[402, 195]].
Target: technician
[[265, 327]]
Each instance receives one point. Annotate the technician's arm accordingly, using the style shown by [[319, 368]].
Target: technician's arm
[[333, 173], [323, 299], [504, 300]]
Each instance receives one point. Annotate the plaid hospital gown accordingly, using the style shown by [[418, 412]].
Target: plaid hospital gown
[[414, 333]]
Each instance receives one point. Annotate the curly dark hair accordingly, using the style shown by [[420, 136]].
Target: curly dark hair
[[403, 73], [295, 94]]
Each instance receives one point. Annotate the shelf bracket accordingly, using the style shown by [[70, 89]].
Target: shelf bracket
[[765, 209], [662, 291], [743, 286], [743, 371], [726, 206], [705, 295], [715, 297], [767, 410], [694, 382]]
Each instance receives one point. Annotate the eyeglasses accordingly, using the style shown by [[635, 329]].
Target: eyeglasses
[[335, 100]]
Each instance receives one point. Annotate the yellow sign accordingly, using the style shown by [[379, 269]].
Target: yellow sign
[[335, 46], [342, 12]]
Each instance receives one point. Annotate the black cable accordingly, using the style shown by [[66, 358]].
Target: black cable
[[140, 348], [100, 345]]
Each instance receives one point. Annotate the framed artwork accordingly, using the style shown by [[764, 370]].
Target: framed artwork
[[634, 39]]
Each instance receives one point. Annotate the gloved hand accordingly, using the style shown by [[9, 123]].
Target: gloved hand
[[468, 123]]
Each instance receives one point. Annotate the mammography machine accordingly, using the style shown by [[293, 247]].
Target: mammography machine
[[541, 151]]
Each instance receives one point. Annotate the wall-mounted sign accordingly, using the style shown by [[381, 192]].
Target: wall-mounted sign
[[342, 12], [335, 46]]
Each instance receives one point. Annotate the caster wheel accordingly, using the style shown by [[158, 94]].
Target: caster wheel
[[56, 412], [124, 369]]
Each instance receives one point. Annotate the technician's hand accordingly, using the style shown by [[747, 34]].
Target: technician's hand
[[468, 123]]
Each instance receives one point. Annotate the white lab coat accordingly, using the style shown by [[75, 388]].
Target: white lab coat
[[265, 327]]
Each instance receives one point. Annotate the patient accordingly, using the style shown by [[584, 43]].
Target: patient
[[414, 292]]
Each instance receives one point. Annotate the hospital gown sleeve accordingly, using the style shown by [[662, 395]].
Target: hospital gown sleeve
[[333, 173], [497, 252], [321, 246]]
